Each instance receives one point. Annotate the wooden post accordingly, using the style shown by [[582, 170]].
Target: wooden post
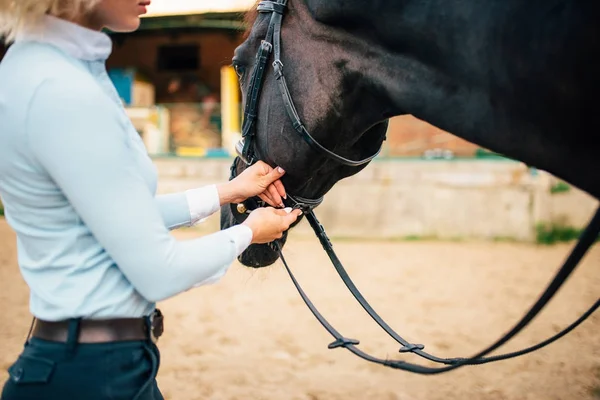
[[230, 109]]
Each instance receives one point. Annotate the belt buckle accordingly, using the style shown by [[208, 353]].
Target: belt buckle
[[156, 325]]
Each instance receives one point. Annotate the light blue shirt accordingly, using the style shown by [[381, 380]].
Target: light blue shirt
[[79, 189]]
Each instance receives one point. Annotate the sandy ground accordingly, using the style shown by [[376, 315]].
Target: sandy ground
[[251, 337]]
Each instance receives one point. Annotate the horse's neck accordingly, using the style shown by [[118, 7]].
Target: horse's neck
[[505, 75], [408, 49]]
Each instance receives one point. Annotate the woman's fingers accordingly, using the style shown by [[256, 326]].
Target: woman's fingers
[[264, 196], [280, 189], [275, 195]]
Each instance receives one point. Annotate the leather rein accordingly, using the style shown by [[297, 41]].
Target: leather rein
[[246, 153]]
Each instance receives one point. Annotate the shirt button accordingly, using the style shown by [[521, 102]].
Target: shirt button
[[18, 374]]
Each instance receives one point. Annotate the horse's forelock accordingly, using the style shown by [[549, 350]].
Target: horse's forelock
[[249, 19]]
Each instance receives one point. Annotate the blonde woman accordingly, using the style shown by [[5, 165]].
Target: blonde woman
[[79, 190]]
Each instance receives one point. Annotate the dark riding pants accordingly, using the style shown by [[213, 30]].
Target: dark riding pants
[[99, 371]]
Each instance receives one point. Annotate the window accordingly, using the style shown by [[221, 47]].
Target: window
[[178, 58]]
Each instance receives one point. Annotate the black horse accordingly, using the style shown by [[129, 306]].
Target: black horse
[[520, 78]]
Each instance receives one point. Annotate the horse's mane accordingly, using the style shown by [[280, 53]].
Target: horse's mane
[[249, 19]]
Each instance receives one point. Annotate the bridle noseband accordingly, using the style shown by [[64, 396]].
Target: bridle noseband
[[246, 153]]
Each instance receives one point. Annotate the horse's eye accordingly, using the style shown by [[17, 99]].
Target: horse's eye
[[239, 70]]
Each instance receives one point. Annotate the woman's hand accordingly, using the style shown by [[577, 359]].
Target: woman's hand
[[257, 180], [268, 224]]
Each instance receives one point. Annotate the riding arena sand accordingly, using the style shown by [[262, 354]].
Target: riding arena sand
[[250, 336]]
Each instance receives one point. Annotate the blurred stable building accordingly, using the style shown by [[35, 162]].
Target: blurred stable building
[[175, 80]]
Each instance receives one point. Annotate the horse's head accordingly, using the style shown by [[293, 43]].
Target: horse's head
[[299, 97]]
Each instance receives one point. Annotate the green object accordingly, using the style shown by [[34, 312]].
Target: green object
[[560, 187], [483, 153], [555, 233]]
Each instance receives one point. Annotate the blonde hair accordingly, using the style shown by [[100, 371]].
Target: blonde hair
[[18, 14]]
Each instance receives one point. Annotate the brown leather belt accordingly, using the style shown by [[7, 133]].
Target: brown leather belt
[[101, 331]]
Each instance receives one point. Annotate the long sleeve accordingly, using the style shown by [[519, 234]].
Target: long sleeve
[[77, 135], [189, 207]]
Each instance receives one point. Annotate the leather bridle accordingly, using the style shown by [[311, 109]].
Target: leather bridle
[[246, 152], [272, 44]]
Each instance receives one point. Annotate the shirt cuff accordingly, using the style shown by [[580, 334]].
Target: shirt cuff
[[241, 236], [202, 202]]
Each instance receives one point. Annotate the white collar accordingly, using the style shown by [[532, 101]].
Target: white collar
[[75, 40]]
